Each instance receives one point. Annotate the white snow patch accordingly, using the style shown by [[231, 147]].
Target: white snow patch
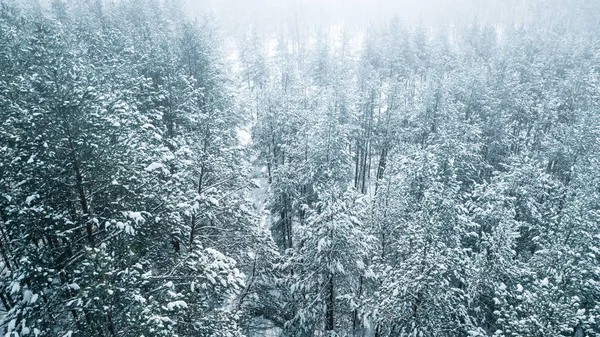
[[369, 273], [27, 295], [24, 329], [213, 201], [34, 298], [11, 326], [135, 216], [15, 287], [211, 279], [244, 137], [129, 230], [154, 166], [139, 299], [31, 198], [176, 304], [360, 264]]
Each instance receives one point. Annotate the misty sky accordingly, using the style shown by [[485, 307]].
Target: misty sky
[[273, 14], [430, 12]]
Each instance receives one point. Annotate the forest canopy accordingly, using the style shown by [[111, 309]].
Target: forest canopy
[[177, 168]]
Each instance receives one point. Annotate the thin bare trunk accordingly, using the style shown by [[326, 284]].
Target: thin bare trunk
[[330, 306]]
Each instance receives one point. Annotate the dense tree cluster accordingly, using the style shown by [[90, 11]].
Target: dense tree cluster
[[401, 181], [435, 183], [123, 211]]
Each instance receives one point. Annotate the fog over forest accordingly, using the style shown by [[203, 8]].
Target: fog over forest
[[296, 168], [271, 14]]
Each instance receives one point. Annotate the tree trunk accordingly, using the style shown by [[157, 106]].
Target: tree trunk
[[81, 190], [5, 256], [4, 302], [192, 230], [356, 168], [381, 166], [111, 326], [355, 320], [330, 306]]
